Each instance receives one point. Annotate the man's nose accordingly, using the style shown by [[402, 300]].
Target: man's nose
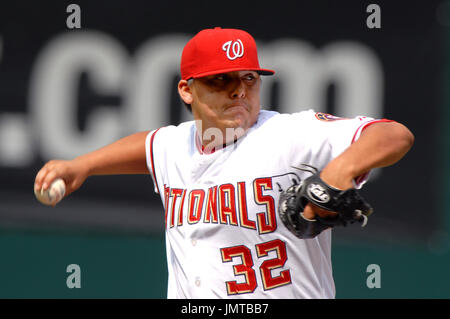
[[238, 89]]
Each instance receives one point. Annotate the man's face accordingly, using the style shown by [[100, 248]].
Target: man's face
[[228, 100]]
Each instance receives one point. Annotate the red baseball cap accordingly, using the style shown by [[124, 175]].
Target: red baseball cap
[[214, 51]]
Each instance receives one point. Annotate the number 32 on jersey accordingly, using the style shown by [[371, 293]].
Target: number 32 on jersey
[[247, 270]]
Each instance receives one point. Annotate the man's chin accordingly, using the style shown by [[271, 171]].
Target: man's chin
[[236, 129], [238, 123]]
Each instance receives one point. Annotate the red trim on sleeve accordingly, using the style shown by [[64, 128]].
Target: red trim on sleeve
[[359, 179], [366, 125], [152, 159]]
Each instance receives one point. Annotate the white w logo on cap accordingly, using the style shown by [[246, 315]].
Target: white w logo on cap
[[236, 48]]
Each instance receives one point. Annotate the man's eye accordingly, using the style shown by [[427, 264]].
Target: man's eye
[[249, 77], [220, 78]]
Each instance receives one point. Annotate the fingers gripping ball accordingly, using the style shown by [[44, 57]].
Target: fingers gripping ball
[[53, 194]]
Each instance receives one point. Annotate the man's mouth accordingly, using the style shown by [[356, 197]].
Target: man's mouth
[[236, 106]]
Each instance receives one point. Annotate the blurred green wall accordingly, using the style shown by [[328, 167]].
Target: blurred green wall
[[406, 272], [34, 266]]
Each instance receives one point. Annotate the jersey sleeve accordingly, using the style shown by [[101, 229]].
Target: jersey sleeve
[[150, 157], [328, 136]]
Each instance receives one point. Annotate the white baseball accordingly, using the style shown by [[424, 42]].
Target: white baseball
[[53, 194]]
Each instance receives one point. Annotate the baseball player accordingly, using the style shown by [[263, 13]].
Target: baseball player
[[229, 178]]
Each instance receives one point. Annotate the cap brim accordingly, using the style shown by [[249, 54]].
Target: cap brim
[[259, 71]]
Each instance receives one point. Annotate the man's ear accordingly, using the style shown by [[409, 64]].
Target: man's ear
[[185, 91]]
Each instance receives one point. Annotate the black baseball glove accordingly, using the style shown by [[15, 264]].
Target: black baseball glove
[[348, 204]]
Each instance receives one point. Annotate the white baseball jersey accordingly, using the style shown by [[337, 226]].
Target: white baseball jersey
[[223, 235]]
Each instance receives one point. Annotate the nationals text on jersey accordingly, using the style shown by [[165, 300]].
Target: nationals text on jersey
[[224, 204]]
